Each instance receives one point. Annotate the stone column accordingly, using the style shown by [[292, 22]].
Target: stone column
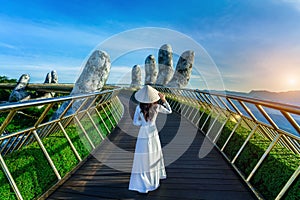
[[150, 70], [136, 76], [165, 65], [183, 71]]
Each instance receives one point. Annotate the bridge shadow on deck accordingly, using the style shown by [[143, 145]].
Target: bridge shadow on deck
[[106, 174]]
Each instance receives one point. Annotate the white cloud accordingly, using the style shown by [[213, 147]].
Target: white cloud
[[6, 45], [66, 74], [294, 3], [14, 66], [59, 32]]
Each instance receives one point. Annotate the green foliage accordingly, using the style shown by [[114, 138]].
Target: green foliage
[[30, 171], [60, 152], [79, 141], [252, 153], [236, 142], [25, 118], [226, 131], [4, 93], [29, 166], [278, 167], [275, 170], [5, 79]]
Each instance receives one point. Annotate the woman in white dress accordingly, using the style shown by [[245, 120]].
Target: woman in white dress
[[148, 163]]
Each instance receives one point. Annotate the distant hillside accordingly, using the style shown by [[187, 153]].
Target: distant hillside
[[291, 97]]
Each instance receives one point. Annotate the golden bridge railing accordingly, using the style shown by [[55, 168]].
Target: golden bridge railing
[[211, 112], [276, 123], [96, 112]]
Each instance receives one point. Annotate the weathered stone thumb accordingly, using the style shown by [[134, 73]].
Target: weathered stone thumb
[[183, 70], [92, 79], [150, 70], [94, 75], [19, 93], [136, 76], [165, 65]]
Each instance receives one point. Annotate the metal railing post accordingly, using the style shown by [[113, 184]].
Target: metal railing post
[[206, 120], [244, 144], [95, 126], [212, 125], [46, 154], [107, 115], [214, 104], [102, 120], [9, 117], [84, 132], [288, 183], [198, 121], [10, 178], [263, 157], [220, 130], [112, 114], [292, 121], [70, 141]]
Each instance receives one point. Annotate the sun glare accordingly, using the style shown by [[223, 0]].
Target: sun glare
[[292, 81], [288, 82]]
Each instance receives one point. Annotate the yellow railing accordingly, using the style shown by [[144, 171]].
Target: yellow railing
[[276, 123], [99, 108]]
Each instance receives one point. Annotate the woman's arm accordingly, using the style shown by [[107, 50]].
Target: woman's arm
[[166, 108], [136, 119]]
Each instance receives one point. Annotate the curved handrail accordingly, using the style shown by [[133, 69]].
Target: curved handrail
[[271, 104], [256, 115], [77, 108], [38, 102], [285, 109]]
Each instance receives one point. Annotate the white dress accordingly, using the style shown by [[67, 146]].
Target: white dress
[[148, 163]]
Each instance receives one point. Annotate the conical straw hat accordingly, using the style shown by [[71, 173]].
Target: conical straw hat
[[147, 95]]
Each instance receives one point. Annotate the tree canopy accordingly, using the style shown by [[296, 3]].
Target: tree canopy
[[4, 93]]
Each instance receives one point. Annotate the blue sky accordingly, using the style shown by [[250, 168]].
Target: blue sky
[[254, 44]]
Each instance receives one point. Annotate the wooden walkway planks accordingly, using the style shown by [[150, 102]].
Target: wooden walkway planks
[[188, 177]]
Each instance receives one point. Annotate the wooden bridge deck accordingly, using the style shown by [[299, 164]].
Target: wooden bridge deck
[[189, 177]]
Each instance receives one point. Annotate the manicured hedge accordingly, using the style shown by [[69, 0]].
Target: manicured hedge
[[275, 170], [30, 168]]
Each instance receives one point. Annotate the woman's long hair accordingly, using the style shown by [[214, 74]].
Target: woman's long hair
[[146, 109]]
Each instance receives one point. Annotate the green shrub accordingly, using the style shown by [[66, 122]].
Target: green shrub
[[4, 93], [30, 168], [274, 171], [25, 118]]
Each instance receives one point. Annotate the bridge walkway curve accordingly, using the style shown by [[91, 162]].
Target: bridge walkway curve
[[106, 172]]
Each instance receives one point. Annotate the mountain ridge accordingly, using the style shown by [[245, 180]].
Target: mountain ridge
[[288, 97]]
